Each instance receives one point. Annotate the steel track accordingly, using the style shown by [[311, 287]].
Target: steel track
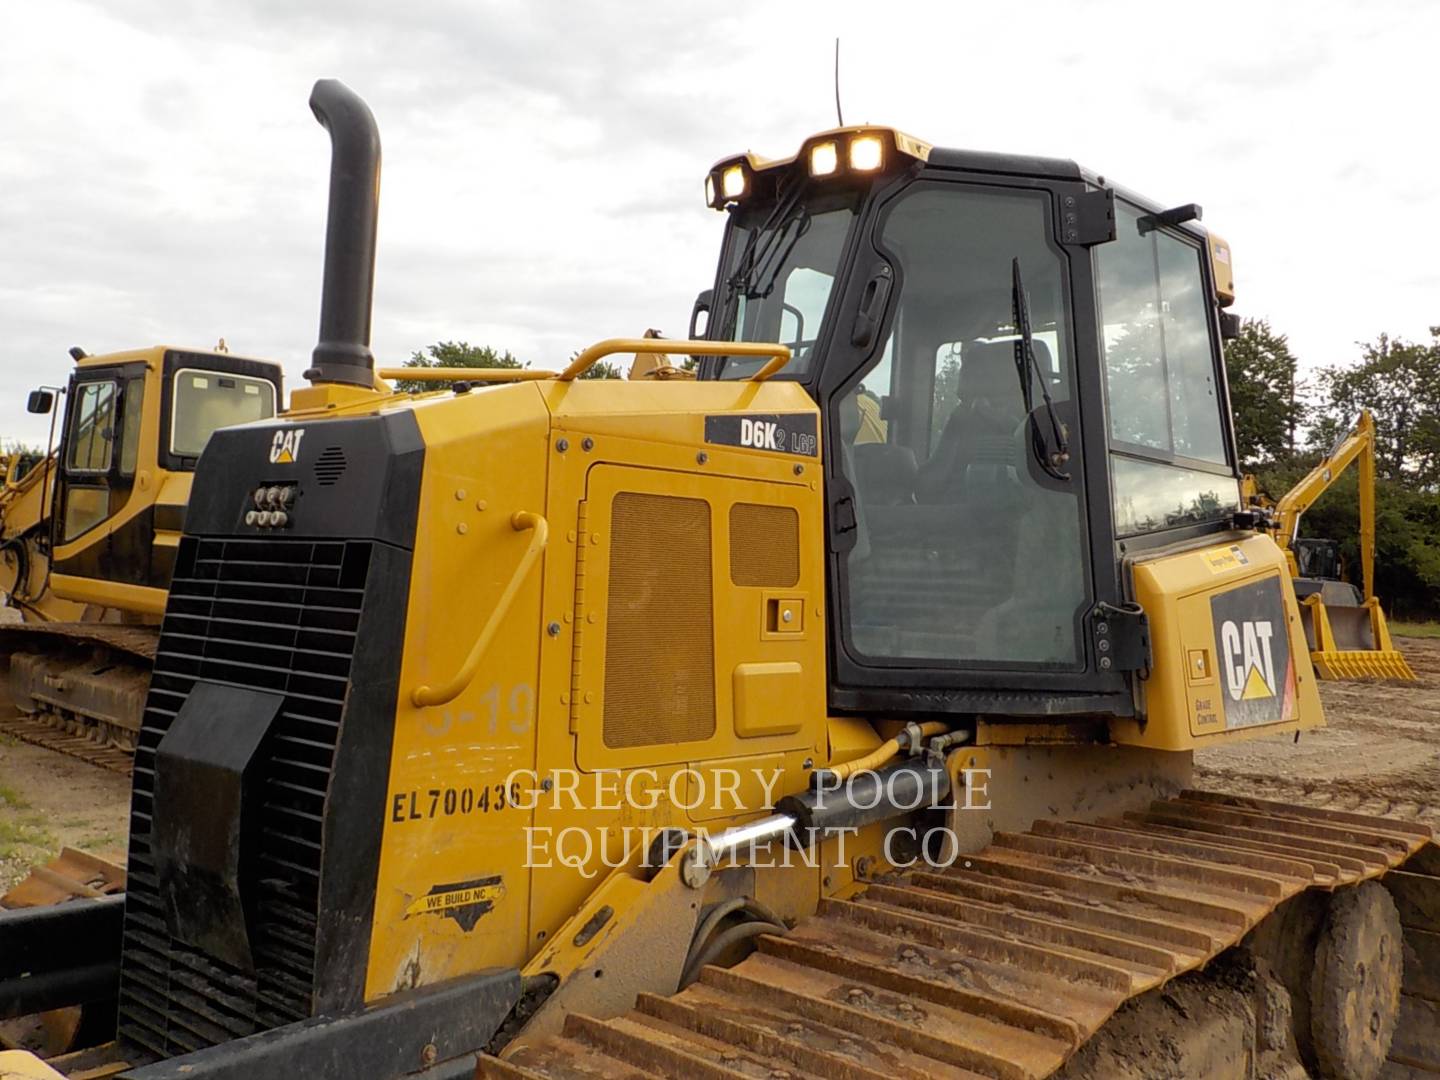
[[40, 732], [1002, 966]]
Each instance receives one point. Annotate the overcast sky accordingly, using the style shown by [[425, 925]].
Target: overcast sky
[[162, 179]]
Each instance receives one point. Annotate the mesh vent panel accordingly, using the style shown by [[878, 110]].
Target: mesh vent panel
[[764, 545], [659, 633]]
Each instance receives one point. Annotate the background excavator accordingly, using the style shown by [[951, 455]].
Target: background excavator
[[1344, 626], [88, 535], [558, 728]]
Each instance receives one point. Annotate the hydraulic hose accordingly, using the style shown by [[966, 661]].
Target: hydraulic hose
[[707, 944], [887, 750]]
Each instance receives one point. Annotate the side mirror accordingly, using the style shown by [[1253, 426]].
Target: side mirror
[[1229, 326], [40, 401], [702, 307]]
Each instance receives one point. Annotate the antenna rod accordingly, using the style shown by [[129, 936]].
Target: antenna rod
[[838, 114]]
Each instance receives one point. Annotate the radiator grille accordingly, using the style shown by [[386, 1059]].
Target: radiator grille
[[273, 615], [764, 545], [659, 635]]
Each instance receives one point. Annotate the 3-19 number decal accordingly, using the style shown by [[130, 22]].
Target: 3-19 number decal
[[514, 705]]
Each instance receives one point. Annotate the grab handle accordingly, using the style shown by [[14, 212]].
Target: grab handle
[[520, 521]]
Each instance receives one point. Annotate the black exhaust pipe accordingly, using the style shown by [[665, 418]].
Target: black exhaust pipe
[[343, 354]]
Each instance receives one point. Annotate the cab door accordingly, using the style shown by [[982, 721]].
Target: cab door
[[89, 462], [967, 504], [99, 461]]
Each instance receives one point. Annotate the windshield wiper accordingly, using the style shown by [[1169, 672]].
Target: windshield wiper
[[758, 255], [1028, 368], [768, 269]]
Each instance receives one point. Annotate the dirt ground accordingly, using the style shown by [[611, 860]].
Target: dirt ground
[[1378, 754], [49, 801]]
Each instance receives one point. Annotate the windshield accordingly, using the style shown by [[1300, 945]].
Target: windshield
[[780, 271], [207, 400]]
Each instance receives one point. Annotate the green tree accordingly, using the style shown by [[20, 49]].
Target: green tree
[[450, 354], [1407, 534], [601, 369], [1265, 393], [1399, 382]]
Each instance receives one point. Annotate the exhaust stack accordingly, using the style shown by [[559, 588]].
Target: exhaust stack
[[343, 354]]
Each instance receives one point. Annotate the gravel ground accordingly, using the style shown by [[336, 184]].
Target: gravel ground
[[1378, 754]]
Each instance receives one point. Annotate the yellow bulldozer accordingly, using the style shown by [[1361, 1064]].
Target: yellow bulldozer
[[544, 727], [1345, 627], [88, 535]]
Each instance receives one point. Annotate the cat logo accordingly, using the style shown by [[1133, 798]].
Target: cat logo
[[285, 447], [1249, 663], [1253, 647]]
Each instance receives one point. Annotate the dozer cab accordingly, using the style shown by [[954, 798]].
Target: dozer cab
[[831, 714], [1345, 627], [88, 535]]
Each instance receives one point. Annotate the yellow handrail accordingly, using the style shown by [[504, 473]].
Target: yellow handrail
[[465, 374], [520, 521], [781, 353]]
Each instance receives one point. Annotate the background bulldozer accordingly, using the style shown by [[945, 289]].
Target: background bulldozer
[[88, 535], [1345, 627], [447, 678]]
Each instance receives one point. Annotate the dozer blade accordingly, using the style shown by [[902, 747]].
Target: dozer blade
[[70, 874], [1362, 664], [1000, 966], [1352, 641], [34, 1003]]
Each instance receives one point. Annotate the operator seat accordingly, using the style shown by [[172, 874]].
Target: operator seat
[[977, 443]]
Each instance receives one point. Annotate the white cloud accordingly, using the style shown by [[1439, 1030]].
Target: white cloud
[[161, 178]]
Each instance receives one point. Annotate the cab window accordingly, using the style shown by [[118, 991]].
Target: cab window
[[85, 507], [132, 403], [205, 401], [92, 420], [1162, 380], [966, 553], [778, 281]]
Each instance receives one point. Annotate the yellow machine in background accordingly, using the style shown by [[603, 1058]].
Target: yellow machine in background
[[88, 535], [734, 726], [1344, 626], [24, 566]]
